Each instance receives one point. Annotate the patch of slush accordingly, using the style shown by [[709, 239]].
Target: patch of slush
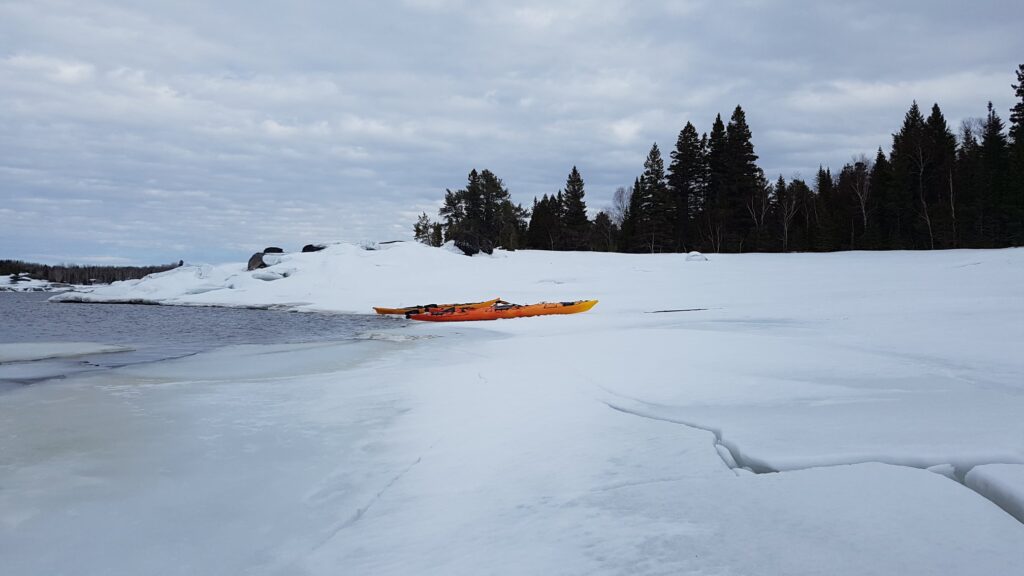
[[29, 351]]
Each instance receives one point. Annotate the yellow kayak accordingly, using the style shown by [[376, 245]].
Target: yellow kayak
[[429, 307]]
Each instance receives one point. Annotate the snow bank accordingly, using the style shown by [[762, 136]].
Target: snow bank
[[1003, 484], [28, 351]]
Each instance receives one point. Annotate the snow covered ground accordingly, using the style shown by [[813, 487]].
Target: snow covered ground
[[22, 283], [853, 413]]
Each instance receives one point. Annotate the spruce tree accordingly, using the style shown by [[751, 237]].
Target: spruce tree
[[745, 182], [602, 233], [968, 185], [657, 203], [825, 237], [634, 222], [940, 195], [1017, 112], [910, 160], [993, 197], [686, 180], [1015, 204], [574, 216], [880, 183], [545, 229], [715, 209]]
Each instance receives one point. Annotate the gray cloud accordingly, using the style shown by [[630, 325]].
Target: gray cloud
[[144, 133]]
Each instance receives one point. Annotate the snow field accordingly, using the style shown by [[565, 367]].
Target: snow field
[[602, 443]]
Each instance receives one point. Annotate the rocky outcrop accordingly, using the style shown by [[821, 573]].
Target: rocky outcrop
[[471, 244], [273, 250], [313, 247], [256, 262]]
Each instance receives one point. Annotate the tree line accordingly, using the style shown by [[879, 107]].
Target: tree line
[[76, 274], [935, 188]]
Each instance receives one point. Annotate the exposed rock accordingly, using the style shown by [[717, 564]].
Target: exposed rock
[[471, 244], [313, 247], [468, 247], [272, 250], [256, 261]]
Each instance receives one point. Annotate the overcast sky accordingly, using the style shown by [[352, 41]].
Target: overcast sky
[[136, 132]]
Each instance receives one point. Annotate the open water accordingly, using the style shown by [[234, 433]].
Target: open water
[[156, 332]]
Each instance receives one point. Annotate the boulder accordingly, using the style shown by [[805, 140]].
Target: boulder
[[256, 261], [468, 247], [273, 250], [471, 244], [313, 247]]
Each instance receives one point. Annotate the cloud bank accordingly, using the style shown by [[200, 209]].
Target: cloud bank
[[148, 133]]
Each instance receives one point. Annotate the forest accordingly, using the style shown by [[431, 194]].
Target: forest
[[78, 274], [936, 187]]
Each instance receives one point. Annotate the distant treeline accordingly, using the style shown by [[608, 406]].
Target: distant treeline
[[933, 189], [75, 274]]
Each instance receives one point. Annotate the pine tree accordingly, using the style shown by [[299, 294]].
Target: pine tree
[[454, 213], [422, 229], [574, 218]]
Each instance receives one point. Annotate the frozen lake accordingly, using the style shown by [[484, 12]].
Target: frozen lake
[[846, 414]]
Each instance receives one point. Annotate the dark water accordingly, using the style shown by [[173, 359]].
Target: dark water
[[162, 332]]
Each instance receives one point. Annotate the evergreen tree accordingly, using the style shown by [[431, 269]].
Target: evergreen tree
[[910, 160], [635, 221], [544, 231], [993, 196], [715, 210], [602, 233], [657, 204], [1015, 204], [968, 184], [574, 218], [512, 232], [939, 194], [1017, 112], [422, 229], [687, 179], [744, 185], [880, 183], [825, 234], [454, 213], [436, 234]]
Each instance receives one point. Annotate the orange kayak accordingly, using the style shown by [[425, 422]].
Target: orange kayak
[[499, 311], [428, 307]]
